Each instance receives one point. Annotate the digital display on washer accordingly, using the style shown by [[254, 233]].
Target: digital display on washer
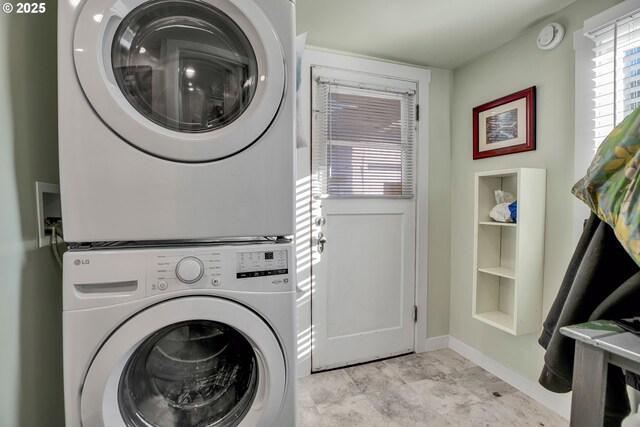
[[264, 263]]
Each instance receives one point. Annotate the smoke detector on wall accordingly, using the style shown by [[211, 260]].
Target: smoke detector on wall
[[550, 36]]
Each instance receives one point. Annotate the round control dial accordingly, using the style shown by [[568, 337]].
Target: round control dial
[[189, 269]]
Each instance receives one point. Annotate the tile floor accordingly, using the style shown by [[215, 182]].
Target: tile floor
[[439, 388]]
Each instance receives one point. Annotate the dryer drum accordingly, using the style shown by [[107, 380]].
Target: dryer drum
[[195, 373], [184, 64]]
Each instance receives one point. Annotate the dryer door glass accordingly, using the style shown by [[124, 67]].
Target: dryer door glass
[[184, 65], [195, 373]]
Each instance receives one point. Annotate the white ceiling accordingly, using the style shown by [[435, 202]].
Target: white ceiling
[[433, 33]]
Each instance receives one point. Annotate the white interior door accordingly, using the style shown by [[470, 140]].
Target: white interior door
[[363, 216]]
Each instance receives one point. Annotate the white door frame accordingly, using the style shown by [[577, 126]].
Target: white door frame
[[304, 252]]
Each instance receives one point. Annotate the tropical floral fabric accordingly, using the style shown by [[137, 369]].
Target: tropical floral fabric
[[610, 187]]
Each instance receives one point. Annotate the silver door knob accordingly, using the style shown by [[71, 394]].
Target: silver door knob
[[320, 221], [321, 241]]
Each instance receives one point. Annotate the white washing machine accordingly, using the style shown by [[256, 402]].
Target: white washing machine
[[182, 336], [176, 118]]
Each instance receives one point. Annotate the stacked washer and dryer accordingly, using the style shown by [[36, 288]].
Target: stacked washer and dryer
[[176, 139]]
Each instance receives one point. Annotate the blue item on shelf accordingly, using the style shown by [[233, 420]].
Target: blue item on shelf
[[513, 208]]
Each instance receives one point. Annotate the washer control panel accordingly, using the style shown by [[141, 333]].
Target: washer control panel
[[261, 263], [257, 268], [175, 271]]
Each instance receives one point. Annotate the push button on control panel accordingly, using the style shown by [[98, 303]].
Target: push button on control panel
[[162, 285], [189, 270]]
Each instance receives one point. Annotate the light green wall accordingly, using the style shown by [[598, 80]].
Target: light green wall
[[439, 252], [514, 66], [30, 304]]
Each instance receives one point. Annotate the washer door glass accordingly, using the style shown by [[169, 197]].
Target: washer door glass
[[184, 64], [194, 373]]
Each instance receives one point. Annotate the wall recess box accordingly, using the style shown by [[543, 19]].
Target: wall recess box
[[48, 204]]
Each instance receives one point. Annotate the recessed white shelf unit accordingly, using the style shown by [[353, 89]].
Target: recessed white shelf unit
[[508, 258]]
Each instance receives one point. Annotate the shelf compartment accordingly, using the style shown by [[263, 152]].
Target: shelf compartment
[[496, 247], [497, 319], [487, 186], [494, 302]]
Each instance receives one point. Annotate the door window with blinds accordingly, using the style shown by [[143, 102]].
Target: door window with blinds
[[364, 134], [616, 73]]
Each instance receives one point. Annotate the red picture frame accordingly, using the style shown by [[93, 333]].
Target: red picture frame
[[505, 125]]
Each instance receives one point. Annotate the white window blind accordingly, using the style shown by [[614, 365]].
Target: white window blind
[[616, 74], [365, 139]]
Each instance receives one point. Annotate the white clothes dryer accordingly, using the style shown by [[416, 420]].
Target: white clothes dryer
[[176, 118], [182, 336]]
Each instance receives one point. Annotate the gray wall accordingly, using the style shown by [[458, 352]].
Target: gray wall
[[514, 66], [30, 305]]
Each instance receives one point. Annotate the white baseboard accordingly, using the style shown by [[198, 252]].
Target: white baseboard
[[559, 403], [437, 343]]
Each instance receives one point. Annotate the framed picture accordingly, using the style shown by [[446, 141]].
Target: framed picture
[[506, 125]]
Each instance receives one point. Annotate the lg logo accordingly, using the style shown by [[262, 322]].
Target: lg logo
[[81, 261]]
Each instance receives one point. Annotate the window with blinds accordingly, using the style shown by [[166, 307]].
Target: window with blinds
[[616, 74], [365, 139]]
